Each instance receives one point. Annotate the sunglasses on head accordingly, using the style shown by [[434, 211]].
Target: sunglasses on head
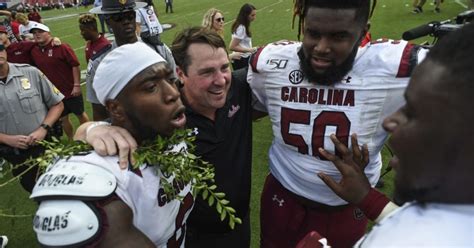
[[2, 47], [220, 19], [129, 15]]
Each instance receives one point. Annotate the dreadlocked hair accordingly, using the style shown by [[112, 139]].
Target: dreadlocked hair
[[88, 20], [300, 9]]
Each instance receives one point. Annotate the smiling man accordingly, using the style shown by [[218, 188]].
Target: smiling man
[[111, 207], [218, 104], [326, 84]]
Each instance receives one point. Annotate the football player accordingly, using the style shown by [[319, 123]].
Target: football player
[[87, 200], [326, 84], [433, 160]]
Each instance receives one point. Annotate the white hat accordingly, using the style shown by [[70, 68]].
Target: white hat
[[119, 66], [39, 26]]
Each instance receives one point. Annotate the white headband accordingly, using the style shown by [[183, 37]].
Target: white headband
[[120, 66]]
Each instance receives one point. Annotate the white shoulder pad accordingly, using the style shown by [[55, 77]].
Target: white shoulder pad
[[74, 180], [65, 223]]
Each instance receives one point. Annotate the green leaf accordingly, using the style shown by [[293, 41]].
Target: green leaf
[[210, 201], [231, 223], [204, 194], [223, 214], [238, 220], [219, 207], [220, 195]]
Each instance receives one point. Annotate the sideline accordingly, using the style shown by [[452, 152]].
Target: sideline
[[461, 3], [55, 18]]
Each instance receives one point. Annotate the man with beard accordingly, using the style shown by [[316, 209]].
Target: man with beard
[[326, 84], [433, 157], [87, 200], [120, 16]]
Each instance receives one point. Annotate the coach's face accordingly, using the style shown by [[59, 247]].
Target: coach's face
[[150, 104], [207, 79], [330, 43], [425, 136]]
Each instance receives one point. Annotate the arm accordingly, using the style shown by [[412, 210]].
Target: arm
[[15, 141], [107, 139], [122, 232], [76, 73], [51, 117], [235, 46]]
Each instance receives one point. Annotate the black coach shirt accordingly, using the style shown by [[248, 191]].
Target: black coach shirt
[[227, 144]]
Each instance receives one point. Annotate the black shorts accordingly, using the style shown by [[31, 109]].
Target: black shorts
[[73, 105]]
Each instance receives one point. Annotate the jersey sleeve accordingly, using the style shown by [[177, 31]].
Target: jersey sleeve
[[256, 81]]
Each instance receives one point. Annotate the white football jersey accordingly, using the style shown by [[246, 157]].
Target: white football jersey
[[162, 220], [424, 225], [305, 114]]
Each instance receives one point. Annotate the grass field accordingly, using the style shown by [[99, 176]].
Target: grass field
[[391, 18]]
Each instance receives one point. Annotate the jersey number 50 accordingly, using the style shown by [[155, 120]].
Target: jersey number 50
[[324, 119]]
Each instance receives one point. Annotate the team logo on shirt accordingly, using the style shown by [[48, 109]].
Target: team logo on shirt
[[296, 77], [233, 110], [50, 53], [358, 214]]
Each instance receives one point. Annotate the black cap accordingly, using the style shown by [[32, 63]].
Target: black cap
[[117, 6]]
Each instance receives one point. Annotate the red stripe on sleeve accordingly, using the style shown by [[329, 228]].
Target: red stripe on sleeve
[[254, 59], [373, 204], [404, 69]]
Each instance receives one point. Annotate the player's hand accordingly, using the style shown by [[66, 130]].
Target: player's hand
[[18, 141], [354, 184], [37, 135], [76, 91], [110, 140]]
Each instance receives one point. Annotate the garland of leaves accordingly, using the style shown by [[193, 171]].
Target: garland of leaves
[[184, 166]]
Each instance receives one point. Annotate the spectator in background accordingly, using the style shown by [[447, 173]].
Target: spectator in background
[[18, 52], [148, 25], [98, 3], [11, 25], [242, 37], [34, 15], [169, 5], [25, 26], [418, 6], [95, 41], [15, 25], [60, 65], [29, 106], [214, 20]]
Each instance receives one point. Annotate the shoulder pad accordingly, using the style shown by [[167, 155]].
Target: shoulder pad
[[99, 53], [74, 180], [66, 223]]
